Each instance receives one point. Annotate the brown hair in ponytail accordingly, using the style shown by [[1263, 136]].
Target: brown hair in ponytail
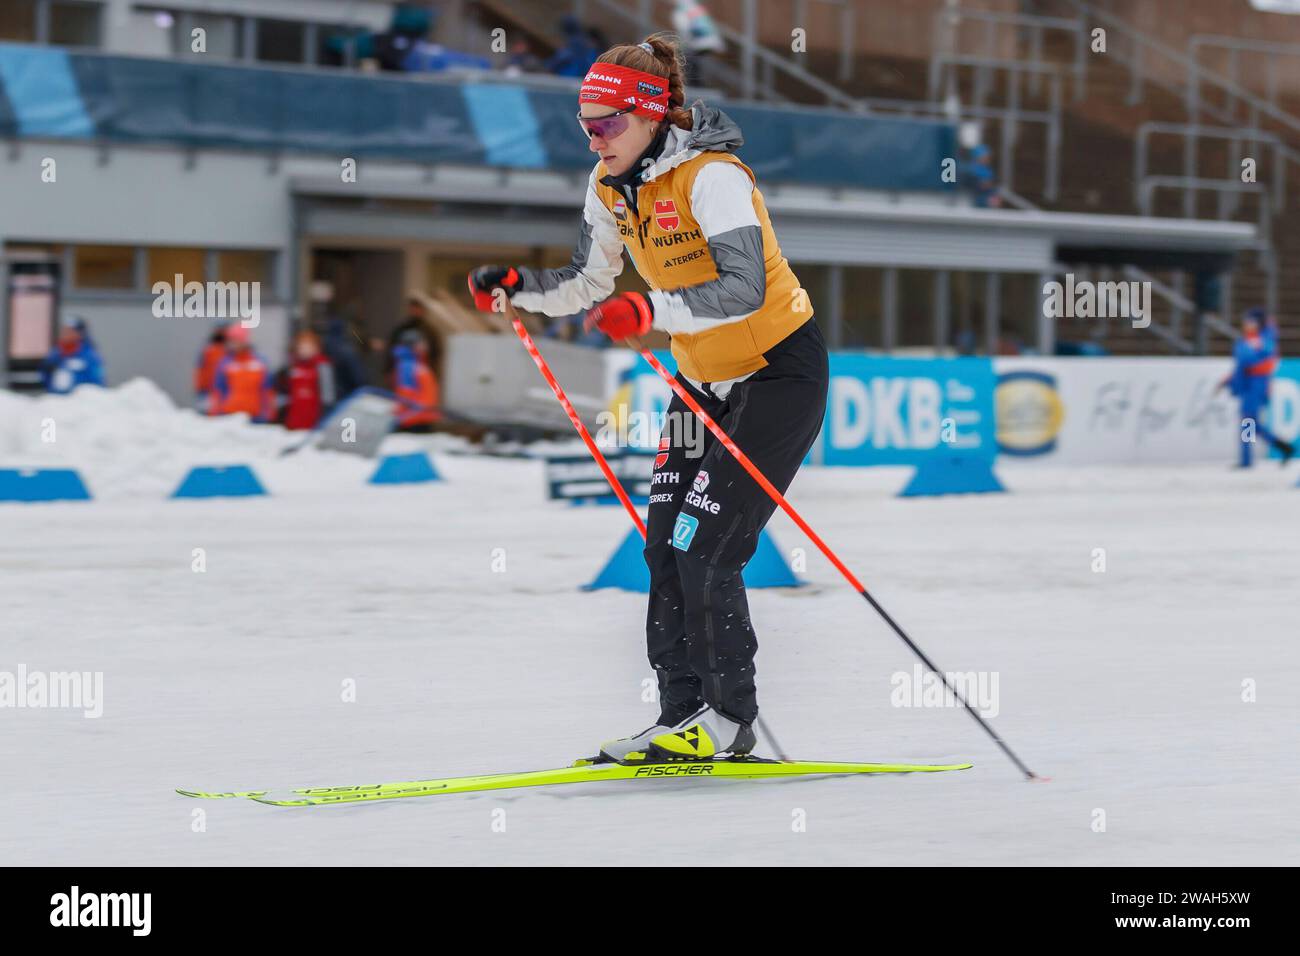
[[666, 61]]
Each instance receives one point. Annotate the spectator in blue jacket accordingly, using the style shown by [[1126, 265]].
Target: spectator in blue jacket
[[349, 369], [71, 362], [1255, 355], [979, 173]]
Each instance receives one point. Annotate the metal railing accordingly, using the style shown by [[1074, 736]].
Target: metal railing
[[948, 59], [848, 27], [1235, 46], [1282, 155], [1264, 249], [1198, 77], [1135, 53], [947, 37], [1008, 119], [1150, 184], [755, 79]]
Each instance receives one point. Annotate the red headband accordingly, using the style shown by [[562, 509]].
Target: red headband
[[621, 87]]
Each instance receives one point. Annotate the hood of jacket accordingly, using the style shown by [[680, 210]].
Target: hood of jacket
[[711, 131]]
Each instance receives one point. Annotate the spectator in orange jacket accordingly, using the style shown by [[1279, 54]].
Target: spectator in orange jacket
[[415, 384], [205, 369], [243, 380]]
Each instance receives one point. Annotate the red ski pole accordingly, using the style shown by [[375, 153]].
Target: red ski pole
[[857, 585], [573, 416]]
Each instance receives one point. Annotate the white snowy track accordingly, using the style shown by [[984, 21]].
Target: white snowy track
[[1125, 687]]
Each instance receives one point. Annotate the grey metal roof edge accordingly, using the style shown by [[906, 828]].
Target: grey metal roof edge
[[491, 187], [566, 190]]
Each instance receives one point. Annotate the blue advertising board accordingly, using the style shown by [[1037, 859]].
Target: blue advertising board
[[900, 411], [880, 410]]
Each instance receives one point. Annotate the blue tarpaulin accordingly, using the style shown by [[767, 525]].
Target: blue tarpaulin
[[54, 93]]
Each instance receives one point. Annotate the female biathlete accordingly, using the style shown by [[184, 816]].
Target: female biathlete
[[669, 189]]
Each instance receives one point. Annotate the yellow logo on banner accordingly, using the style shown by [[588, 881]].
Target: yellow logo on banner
[[1028, 412]]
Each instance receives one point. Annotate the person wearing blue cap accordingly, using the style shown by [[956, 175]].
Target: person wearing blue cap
[[73, 361], [1256, 355]]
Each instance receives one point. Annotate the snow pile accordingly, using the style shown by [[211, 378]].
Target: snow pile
[[126, 440], [133, 441]]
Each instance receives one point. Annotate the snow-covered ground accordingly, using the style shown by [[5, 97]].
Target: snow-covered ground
[[1125, 686]]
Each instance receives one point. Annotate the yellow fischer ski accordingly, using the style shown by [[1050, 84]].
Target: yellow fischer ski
[[585, 773]]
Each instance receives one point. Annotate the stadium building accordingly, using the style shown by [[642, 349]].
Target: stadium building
[[229, 163]]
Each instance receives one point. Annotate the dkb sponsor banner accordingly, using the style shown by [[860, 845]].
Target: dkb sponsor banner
[[1129, 410], [892, 411], [880, 410], [899, 411]]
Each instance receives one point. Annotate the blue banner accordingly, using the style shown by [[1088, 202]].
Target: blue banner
[[899, 411], [879, 411], [429, 118], [1284, 403]]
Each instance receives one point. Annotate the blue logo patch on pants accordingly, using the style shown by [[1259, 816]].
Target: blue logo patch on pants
[[683, 531]]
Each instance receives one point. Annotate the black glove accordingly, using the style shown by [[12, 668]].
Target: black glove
[[486, 278]]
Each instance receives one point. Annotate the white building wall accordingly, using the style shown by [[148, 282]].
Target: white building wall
[[146, 197]]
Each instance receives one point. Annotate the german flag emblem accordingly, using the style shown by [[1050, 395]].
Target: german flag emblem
[[666, 217]]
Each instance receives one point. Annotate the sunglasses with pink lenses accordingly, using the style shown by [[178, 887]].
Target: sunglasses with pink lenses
[[606, 127]]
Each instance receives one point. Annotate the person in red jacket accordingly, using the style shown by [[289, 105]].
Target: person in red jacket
[[415, 384], [309, 384], [242, 382], [205, 369]]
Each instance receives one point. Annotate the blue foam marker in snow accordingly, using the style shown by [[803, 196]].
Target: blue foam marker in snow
[[411, 469], [221, 481], [42, 484], [626, 568], [952, 475], [768, 568]]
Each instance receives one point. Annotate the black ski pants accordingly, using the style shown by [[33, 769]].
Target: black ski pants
[[704, 520]]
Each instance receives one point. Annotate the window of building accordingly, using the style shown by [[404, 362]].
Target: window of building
[[165, 264], [243, 266], [862, 304], [74, 23], [281, 41], [915, 308], [33, 251], [18, 21], [103, 267]]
